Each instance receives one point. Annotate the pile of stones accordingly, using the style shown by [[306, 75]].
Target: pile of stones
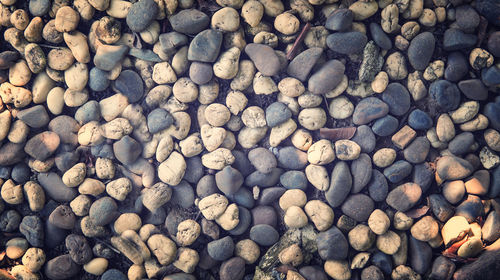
[[259, 139]]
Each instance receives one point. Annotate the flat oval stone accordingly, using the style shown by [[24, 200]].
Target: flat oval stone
[[264, 235], [55, 188], [461, 143], [385, 126], [327, 77], [221, 249], [34, 117], [380, 37], [467, 18], [234, 268], [245, 221], [419, 119], [446, 94], [103, 211], [78, 248], [455, 39], [205, 46], [420, 255], [270, 195], [421, 49], [141, 14], [417, 151], [369, 109], [423, 175], [294, 179], [32, 229], [63, 217], [397, 97], [347, 42], [470, 208], [365, 138], [108, 56], [399, 170], [229, 180], [456, 67], [127, 149], [159, 119], [358, 206], [441, 209], [404, 197], [453, 168], [332, 244], [340, 20], [61, 267], [264, 180], [378, 187], [189, 21], [340, 184], [361, 169], [277, 113], [42, 145], [200, 73], [494, 43], [473, 89], [130, 84], [292, 158], [302, 64], [264, 58]]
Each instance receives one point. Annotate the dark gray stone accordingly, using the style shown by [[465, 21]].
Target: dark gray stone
[[277, 113], [445, 94], [130, 84], [346, 42], [332, 244], [141, 14], [189, 21], [397, 97], [340, 184], [159, 119], [399, 170], [265, 59], [303, 63], [358, 206], [421, 49], [205, 46]]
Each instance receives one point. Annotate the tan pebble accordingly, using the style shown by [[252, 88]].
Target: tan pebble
[[293, 197], [96, 266], [247, 250], [291, 255]]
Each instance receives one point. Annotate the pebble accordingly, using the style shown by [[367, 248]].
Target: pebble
[[34, 117], [361, 238], [425, 229], [446, 94], [332, 244], [491, 227], [265, 59], [385, 126], [294, 180], [189, 21], [340, 184], [221, 249], [292, 158], [141, 14], [380, 37], [129, 83], [98, 80], [16, 247], [302, 64], [378, 187], [399, 170], [78, 248], [55, 188], [455, 39], [264, 235], [340, 20], [263, 160], [61, 267], [347, 150], [277, 113], [327, 77], [397, 97], [419, 120], [103, 211], [233, 268], [108, 57], [456, 68], [388, 243], [369, 109], [379, 222], [347, 42], [33, 259], [404, 197], [361, 168], [453, 168], [384, 157], [205, 46], [113, 274], [358, 207], [420, 255], [473, 89], [96, 266]]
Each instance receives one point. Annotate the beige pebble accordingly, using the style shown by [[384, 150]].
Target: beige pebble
[[263, 84], [361, 237], [379, 222], [226, 19], [67, 19], [384, 157], [213, 206], [321, 152], [379, 84], [33, 259], [80, 205], [281, 132], [291, 255], [187, 259], [163, 248], [96, 266], [187, 232], [389, 242], [318, 176], [320, 214], [19, 73], [286, 23], [293, 197], [339, 269], [295, 217], [127, 221], [312, 118], [230, 218], [247, 250]]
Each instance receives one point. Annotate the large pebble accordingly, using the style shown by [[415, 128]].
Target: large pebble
[[404, 197], [141, 14], [327, 77], [347, 42], [332, 244], [421, 50]]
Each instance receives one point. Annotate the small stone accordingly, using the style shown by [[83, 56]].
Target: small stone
[[358, 207], [265, 59], [141, 14], [205, 46], [61, 267], [369, 109], [404, 197], [347, 150], [388, 242], [455, 229], [425, 229], [419, 120], [221, 249], [347, 42], [332, 244], [379, 222], [322, 82], [453, 168]]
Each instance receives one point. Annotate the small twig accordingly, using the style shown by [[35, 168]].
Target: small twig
[[49, 46], [293, 51]]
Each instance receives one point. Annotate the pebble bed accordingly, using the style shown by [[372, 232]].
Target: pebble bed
[[259, 139]]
